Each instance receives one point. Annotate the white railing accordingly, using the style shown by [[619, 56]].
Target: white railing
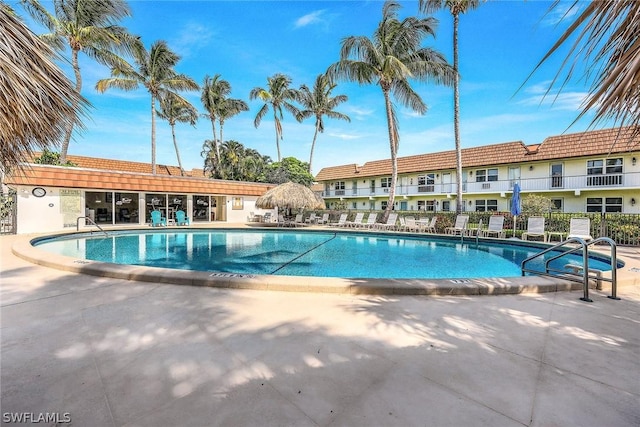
[[549, 183]]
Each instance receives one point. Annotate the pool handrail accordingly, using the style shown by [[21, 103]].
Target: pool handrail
[[584, 247], [86, 218]]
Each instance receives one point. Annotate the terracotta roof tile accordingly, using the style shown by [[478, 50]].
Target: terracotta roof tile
[[602, 142]]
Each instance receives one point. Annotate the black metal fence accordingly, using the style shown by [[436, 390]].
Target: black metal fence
[[623, 228]]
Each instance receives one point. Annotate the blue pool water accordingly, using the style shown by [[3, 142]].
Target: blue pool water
[[291, 253]]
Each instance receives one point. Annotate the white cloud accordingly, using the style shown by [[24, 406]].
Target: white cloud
[[310, 18], [191, 38]]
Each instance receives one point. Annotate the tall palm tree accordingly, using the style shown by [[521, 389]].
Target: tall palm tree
[[214, 90], [604, 40], [154, 70], [278, 95], [319, 103], [87, 26], [456, 7], [175, 110], [37, 101], [390, 58]]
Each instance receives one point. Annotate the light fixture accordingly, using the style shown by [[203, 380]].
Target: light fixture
[[470, 172], [633, 202], [633, 161], [470, 202], [531, 167]]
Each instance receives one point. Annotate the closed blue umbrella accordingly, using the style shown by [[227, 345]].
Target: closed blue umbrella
[[515, 205]]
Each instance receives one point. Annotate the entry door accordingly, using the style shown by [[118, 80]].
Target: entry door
[[514, 176], [557, 172]]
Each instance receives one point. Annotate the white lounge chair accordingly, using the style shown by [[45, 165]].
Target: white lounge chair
[[370, 222], [460, 226], [324, 219], [341, 220], [495, 228], [410, 224], [431, 228], [390, 224], [283, 222], [312, 219], [298, 221], [535, 228], [356, 221], [581, 228]]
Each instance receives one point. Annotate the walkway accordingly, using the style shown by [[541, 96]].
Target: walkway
[[115, 353]]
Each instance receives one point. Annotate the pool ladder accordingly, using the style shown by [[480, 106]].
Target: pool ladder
[[90, 221], [580, 274]]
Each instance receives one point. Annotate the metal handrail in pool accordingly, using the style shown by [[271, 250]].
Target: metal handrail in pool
[[91, 222]]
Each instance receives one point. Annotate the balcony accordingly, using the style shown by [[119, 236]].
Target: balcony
[[543, 184]]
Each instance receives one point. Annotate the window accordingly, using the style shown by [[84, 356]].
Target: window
[[484, 175], [339, 187], [385, 182], [608, 204], [486, 205], [557, 205], [372, 205], [426, 183], [426, 205], [354, 205], [384, 205], [481, 175], [492, 174], [601, 172], [446, 205]]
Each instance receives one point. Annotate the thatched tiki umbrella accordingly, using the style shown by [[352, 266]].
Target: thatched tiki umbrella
[[36, 99], [290, 195]]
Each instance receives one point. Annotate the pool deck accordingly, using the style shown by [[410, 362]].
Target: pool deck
[[114, 352]]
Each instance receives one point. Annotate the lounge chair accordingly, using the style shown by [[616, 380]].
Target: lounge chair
[[324, 219], [341, 220], [181, 218], [390, 224], [460, 227], [312, 219], [157, 219], [431, 227], [356, 221], [410, 224], [495, 228], [371, 220], [535, 228], [298, 221], [581, 228], [267, 218], [283, 222]]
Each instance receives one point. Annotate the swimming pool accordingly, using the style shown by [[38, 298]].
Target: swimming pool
[[308, 253]]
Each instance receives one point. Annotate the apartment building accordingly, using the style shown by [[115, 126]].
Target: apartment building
[[595, 171]]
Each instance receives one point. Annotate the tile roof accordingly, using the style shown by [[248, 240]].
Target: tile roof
[[99, 178], [581, 144]]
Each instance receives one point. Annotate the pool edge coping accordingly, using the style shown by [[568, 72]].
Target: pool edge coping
[[441, 287]]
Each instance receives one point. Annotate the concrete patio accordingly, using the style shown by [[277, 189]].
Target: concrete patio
[[110, 352]]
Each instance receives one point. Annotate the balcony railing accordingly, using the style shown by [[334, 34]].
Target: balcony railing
[[542, 184]]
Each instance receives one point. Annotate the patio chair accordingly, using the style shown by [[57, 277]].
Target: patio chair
[[495, 228], [341, 220], [356, 221], [431, 227], [298, 221], [371, 220], [267, 217], [460, 226], [312, 219], [410, 224], [324, 219], [283, 222], [535, 228], [157, 219], [390, 224], [181, 218], [581, 228]]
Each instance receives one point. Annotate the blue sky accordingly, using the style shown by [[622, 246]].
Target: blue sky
[[247, 41]]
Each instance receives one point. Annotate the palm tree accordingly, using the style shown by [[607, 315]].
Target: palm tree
[[456, 7], [278, 94], [155, 72], [213, 91], [389, 59], [604, 39], [87, 26], [38, 101], [174, 110], [318, 103]]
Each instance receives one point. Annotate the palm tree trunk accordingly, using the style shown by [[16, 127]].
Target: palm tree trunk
[[278, 133], [69, 128], [393, 145], [221, 126], [456, 115], [313, 144], [153, 135], [175, 145]]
